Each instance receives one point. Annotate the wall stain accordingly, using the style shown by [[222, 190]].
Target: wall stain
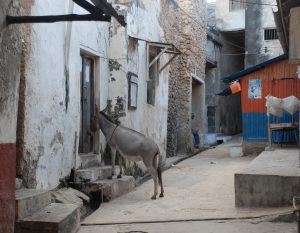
[[26, 6], [58, 138]]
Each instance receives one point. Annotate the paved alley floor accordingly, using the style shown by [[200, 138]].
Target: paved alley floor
[[195, 227], [200, 188]]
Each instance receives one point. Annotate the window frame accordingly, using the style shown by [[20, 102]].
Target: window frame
[[132, 80]]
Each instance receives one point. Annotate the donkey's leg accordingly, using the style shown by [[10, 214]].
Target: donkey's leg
[[120, 165], [160, 182], [157, 167], [113, 160], [153, 173]]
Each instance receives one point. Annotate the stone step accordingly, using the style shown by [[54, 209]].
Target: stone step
[[28, 201], [54, 218], [111, 189], [94, 173]]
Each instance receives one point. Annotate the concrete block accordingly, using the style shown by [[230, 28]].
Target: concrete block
[[29, 201], [94, 173], [111, 189], [55, 218], [71, 196], [270, 180]]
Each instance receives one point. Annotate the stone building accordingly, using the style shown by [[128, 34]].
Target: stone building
[[185, 25]]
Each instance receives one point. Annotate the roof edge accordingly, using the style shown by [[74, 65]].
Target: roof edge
[[239, 74]]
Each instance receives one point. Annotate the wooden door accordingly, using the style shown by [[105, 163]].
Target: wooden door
[[86, 143]]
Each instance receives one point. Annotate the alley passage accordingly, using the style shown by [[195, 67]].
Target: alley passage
[[199, 188]]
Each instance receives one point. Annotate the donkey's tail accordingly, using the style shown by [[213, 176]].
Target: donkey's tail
[[159, 169]]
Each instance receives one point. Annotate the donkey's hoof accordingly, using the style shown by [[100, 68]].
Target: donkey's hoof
[[161, 195], [153, 197], [110, 177], [119, 176]]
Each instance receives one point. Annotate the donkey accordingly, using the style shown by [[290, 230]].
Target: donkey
[[131, 145]]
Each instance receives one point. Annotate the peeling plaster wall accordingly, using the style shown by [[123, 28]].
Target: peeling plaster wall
[[142, 22], [10, 60], [51, 125]]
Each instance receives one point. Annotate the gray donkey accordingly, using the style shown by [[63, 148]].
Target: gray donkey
[[131, 145]]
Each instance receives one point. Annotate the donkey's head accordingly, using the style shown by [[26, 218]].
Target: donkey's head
[[95, 120]]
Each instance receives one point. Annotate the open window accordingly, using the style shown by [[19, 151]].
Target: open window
[[155, 50], [153, 75]]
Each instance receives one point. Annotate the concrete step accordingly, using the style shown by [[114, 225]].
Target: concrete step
[[110, 189], [94, 173], [29, 201], [270, 180], [106, 190], [54, 218]]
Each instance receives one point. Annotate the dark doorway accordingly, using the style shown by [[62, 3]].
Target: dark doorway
[[86, 142]]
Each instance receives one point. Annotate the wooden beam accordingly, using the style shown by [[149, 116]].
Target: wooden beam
[[157, 57], [55, 18], [165, 65], [109, 10], [89, 7]]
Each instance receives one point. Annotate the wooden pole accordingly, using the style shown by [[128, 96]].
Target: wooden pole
[[55, 18]]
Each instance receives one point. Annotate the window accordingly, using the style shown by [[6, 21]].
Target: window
[[153, 75], [237, 5], [271, 34], [132, 90]]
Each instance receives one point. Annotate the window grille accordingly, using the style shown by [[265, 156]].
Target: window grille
[[271, 34]]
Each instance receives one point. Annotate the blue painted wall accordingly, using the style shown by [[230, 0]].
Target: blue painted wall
[[255, 127]]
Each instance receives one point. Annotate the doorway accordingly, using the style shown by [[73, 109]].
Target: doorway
[[198, 104], [86, 140]]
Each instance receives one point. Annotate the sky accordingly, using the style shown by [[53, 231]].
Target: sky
[[210, 0]]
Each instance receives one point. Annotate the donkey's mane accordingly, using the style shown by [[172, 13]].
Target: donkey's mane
[[106, 117]]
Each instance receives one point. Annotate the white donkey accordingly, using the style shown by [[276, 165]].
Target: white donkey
[[131, 145]]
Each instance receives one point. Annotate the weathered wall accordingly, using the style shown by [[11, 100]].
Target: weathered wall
[[52, 97], [130, 55], [184, 23], [229, 20], [258, 18], [11, 48]]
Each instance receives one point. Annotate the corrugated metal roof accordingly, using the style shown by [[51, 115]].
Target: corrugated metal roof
[[242, 73]]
